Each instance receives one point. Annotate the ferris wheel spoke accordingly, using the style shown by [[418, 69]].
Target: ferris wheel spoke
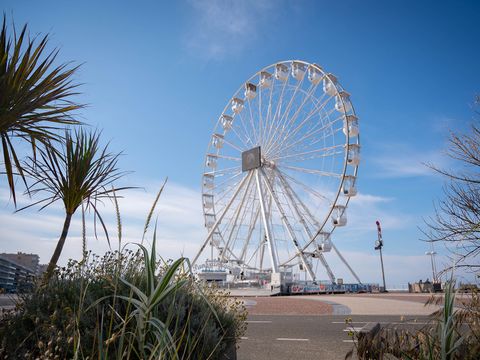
[[237, 212], [243, 211], [247, 210], [286, 111], [248, 135], [260, 115], [222, 172], [232, 145], [239, 137], [254, 128], [295, 198], [224, 181], [305, 158], [224, 192], [323, 151], [272, 118], [290, 121], [291, 140], [220, 185], [226, 157], [219, 219], [306, 187], [288, 227], [251, 228], [267, 120], [312, 171], [309, 135], [317, 108], [290, 135]]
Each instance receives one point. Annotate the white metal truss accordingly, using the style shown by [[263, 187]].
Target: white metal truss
[[304, 124], [294, 199], [289, 228], [266, 225]]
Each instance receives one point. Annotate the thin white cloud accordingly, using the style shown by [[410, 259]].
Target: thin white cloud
[[226, 27], [179, 229], [399, 269], [403, 160]]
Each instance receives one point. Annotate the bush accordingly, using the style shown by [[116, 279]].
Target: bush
[[450, 334], [122, 305]]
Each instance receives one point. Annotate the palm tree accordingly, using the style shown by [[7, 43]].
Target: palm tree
[[80, 173], [34, 97]]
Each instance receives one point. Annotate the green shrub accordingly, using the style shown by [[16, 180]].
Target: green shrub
[[94, 309], [451, 333]]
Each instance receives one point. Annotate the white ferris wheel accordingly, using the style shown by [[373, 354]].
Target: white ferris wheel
[[280, 169]]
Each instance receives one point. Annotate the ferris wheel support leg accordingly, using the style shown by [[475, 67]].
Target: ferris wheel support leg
[[271, 245], [327, 267], [346, 263], [262, 253], [288, 226], [237, 214], [217, 222], [249, 235], [292, 196]]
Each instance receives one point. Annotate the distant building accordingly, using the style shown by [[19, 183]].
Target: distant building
[[41, 269], [15, 277], [30, 261]]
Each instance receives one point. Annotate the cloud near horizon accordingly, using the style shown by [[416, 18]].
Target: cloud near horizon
[[180, 230]]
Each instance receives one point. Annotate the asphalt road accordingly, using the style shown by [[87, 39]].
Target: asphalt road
[[305, 337]]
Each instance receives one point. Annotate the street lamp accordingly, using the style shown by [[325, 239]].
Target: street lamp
[[432, 258], [378, 246]]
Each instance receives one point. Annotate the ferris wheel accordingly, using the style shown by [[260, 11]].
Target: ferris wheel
[[280, 169]]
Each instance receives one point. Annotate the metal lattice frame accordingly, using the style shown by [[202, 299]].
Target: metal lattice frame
[[307, 131]]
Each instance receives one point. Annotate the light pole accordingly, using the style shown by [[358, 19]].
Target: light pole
[[378, 246], [432, 258]]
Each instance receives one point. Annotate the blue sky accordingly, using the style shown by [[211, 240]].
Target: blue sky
[[156, 76]]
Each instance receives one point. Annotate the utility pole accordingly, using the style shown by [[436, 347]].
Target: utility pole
[[378, 246]]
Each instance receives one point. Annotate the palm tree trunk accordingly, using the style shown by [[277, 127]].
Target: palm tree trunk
[[58, 249]]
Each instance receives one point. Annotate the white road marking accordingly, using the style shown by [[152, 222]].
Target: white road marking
[[384, 322], [243, 337], [357, 329], [258, 321], [290, 339], [349, 341]]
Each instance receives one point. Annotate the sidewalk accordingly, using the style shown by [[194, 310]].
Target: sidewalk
[[360, 305]]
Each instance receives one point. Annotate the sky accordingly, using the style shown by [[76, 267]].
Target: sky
[[156, 75]]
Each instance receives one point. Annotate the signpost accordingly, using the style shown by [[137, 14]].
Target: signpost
[[378, 246]]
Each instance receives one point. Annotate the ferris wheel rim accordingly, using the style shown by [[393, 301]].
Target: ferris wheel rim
[[348, 143]]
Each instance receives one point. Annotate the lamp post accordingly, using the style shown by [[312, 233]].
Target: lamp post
[[378, 246], [432, 258]]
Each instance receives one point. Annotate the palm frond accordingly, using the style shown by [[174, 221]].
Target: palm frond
[[77, 172], [35, 97]]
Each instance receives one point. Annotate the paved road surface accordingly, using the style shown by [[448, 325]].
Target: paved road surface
[[326, 337]]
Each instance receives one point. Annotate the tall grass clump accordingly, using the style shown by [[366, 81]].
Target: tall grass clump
[[125, 305], [451, 333]]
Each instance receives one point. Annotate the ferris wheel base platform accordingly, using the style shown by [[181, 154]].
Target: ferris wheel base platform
[[254, 292]]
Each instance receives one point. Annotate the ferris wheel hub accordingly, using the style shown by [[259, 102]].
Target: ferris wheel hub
[[251, 159]]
